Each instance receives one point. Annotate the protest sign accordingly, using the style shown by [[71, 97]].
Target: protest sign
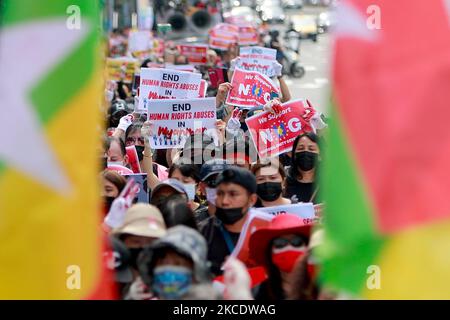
[[133, 159], [140, 41], [122, 68], [167, 84], [223, 35], [274, 134], [202, 89], [248, 35], [175, 120], [303, 210], [119, 168], [262, 60], [250, 89], [256, 219], [196, 54], [142, 191], [258, 53]]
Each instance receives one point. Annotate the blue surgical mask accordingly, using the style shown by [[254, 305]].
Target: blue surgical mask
[[190, 190], [171, 282], [211, 195]]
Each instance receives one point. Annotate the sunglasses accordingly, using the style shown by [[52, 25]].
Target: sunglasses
[[296, 241], [132, 140]]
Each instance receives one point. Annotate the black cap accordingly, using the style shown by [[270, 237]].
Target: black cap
[[212, 167], [240, 176]]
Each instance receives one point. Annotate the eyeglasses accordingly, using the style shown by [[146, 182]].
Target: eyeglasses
[[132, 141], [296, 241]]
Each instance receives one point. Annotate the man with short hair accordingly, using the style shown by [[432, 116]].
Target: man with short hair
[[236, 194]]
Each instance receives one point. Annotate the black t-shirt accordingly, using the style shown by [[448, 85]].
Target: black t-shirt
[[301, 190], [201, 214], [217, 246]]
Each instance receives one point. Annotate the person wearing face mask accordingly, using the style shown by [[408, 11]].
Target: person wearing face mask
[[113, 184], [270, 177], [207, 186], [189, 176], [175, 263], [167, 190], [142, 225], [302, 174], [116, 154], [278, 247], [236, 194]]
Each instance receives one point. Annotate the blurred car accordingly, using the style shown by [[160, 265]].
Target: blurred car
[[324, 21], [264, 4], [273, 14], [292, 4], [245, 14], [305, 25]]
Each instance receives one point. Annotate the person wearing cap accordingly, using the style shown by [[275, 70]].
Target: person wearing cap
[[207, 186], [278, 247], [236, 194], [174, 263], [167, 190], [143, 224]]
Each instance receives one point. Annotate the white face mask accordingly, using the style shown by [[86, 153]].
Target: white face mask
[[211, 195], [190, 190], [115, 163]]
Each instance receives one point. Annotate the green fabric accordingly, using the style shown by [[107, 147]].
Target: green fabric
[[352, 242]]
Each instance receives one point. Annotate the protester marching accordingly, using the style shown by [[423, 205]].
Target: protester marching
[[202, 178]]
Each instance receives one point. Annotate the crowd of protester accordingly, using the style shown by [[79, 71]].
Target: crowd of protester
[[179, 244]]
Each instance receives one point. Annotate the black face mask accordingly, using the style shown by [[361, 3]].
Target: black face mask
[[244, 126], [306, 160], [230, 215], [134, 254], [269, 191], [139, 150]]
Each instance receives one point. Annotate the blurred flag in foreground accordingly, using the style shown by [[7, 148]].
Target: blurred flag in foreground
[[387, 168], [50, 245]]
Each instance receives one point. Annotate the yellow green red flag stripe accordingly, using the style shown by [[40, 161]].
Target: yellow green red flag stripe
[[386, 174], [50, 95]]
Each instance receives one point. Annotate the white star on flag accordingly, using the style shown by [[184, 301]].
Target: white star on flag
[[28, 51]]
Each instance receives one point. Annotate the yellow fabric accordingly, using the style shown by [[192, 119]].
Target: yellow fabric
[[416, 264], [42, 232]]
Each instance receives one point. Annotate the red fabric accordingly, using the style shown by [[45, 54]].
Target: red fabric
[[106, 287], [393, 98]]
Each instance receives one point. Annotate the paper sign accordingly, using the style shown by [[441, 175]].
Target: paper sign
[[274, 134], [262, 60], [248, 35], [122, 68], [133, 159], [258, 53], [175, 120], [250, 89], [256, 219], [196, 54], [223, 35], [120, 169], [167, 84], [140, 41], [303, 210], [141, 181], [203, 88]]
